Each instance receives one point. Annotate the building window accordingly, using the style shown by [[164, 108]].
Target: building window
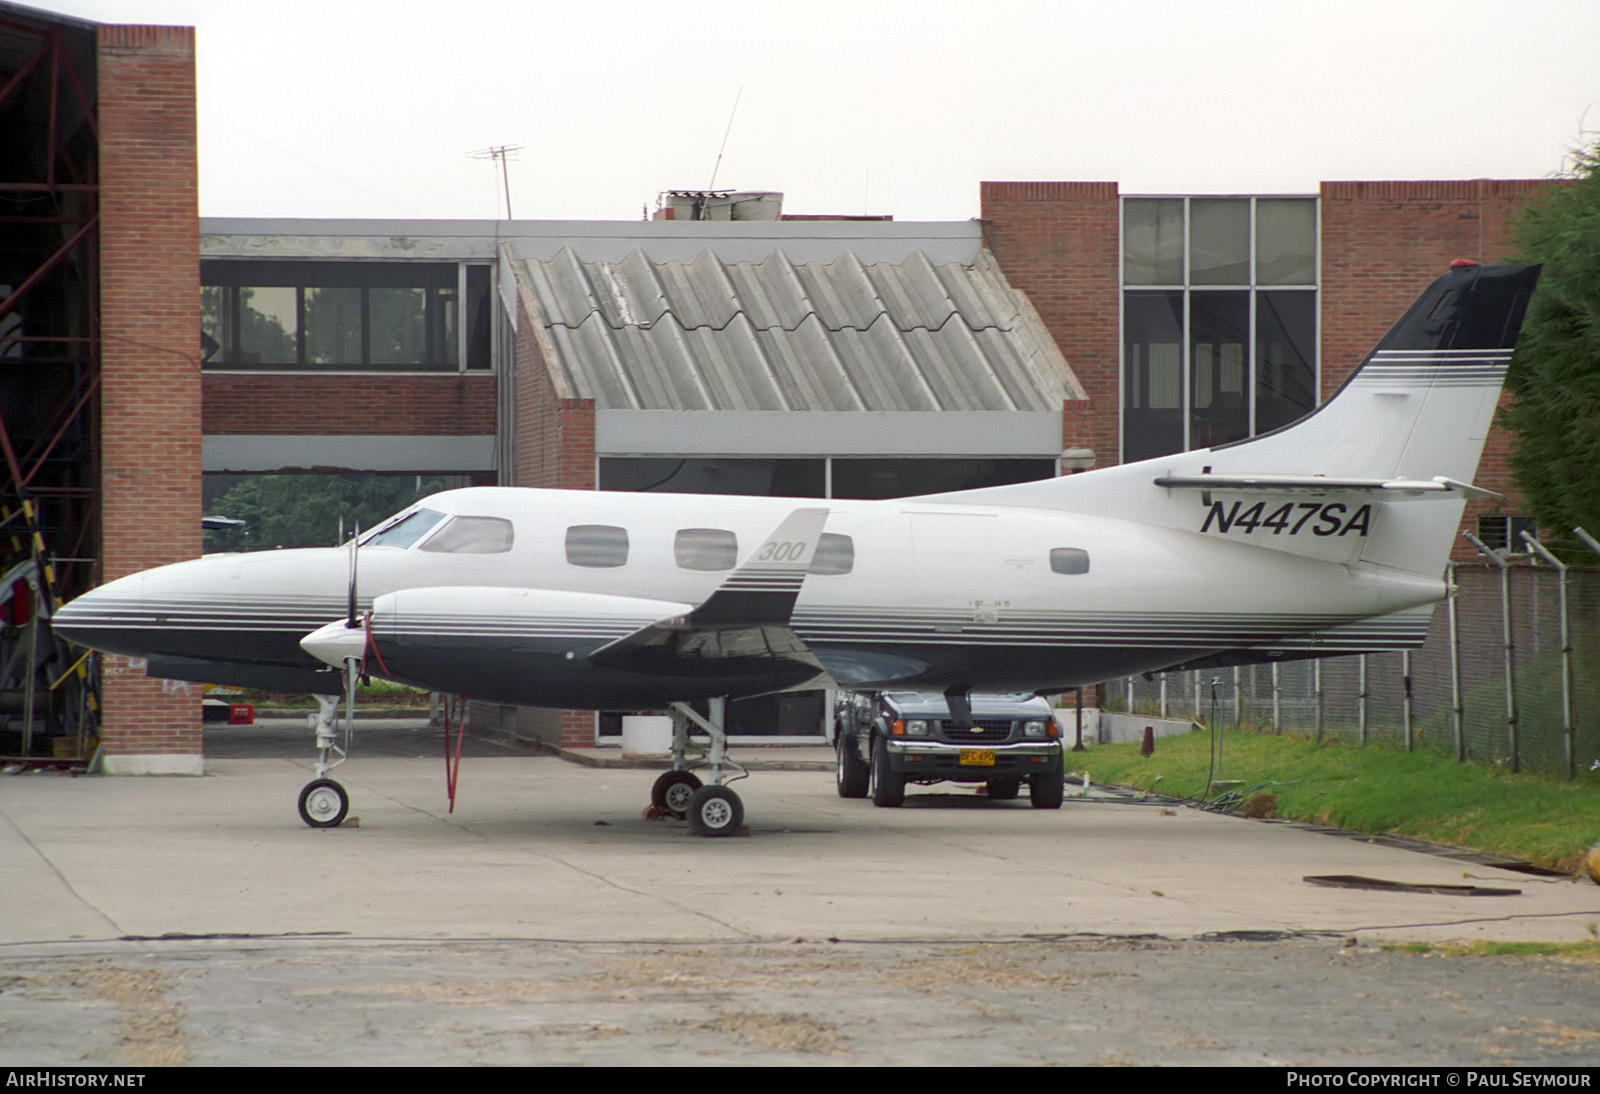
[[817, 477], [344, 316], [788, 478], [1502, 532], [1219, 320]]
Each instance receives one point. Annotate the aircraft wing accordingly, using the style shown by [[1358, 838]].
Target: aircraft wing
[[744, 625]]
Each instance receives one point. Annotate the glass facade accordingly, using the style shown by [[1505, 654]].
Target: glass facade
[[345, 316], [1219, 320], [814, 477]]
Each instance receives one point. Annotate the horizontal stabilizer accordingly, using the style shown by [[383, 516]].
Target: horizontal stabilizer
[[1321, 484]]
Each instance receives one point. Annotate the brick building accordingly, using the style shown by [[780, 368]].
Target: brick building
[[99, 302], [1167, 305]]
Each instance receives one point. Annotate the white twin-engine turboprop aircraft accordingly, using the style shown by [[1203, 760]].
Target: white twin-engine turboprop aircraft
[[1327, 536]]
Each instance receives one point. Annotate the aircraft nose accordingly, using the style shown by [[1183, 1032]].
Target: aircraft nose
[[106, 618]]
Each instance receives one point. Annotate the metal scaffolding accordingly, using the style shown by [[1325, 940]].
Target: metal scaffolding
[[49, 375]]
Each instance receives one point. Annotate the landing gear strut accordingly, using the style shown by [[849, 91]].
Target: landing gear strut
[[713, 809], [323, 802]]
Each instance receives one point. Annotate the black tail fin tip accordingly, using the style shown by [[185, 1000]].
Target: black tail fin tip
[[1470, 308]]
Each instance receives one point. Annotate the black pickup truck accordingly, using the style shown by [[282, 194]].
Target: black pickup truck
[[886, 739]]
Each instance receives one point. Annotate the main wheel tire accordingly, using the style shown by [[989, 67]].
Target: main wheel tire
[[852, 775], [1005, 788], [1047, 791], [888, 788], [715, 811], [323, 803], [672, 791]]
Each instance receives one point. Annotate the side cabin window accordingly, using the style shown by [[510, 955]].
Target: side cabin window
[[597, 546], [471, 536], [1069, 560], [705, 549], [405, 531], [835, 554]]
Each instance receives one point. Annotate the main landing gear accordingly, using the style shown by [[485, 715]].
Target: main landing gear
[[323, 802], [711, 810]]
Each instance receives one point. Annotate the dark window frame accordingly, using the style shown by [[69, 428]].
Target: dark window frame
[[1280, 283], [224, 283]]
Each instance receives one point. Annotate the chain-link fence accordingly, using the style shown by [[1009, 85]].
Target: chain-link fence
[[1448, 696]]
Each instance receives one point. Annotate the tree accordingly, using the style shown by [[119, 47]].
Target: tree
[[1556, 372], [306, 510]]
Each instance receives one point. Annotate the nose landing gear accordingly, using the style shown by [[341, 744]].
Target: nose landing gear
[[323, 802]]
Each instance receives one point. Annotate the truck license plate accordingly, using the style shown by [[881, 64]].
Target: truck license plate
[[977, 757]]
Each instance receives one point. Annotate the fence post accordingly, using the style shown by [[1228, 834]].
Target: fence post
[[1277, 705], [1238, 700], [1316, 682], [1566, 651], [1457, 714], [1495, 557], [1361, 703], [1405, 708]]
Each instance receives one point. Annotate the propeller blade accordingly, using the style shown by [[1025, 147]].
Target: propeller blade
[[355, 563]]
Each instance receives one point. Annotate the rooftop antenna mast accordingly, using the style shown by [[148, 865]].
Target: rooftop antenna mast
[[500, 153], [718, 165]]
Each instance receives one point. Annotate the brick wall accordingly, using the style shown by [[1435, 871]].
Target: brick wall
[[396, 405], [555, 435], [1382, 244], [554, 448], [1057, 242], [150, 368]]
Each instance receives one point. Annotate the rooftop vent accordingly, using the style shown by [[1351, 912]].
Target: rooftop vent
[[719, 205]]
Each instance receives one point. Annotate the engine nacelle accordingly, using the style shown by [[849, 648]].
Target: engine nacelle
[[524, 646]]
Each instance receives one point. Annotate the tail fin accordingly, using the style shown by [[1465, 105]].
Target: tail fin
[[1407, 426]]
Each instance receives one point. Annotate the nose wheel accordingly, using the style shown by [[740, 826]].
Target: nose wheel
[[323, 803]]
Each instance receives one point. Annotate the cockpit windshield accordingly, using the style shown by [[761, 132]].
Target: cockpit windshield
[[471, 536], [405, 531]]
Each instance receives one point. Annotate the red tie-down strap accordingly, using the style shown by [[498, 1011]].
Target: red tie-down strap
[[452, 764]]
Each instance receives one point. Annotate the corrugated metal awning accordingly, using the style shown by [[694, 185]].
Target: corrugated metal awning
[[841, 335]]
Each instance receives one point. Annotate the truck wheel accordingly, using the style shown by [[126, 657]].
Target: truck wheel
[[1047, 791], [888, 788], [852, 776], [1004, 788]]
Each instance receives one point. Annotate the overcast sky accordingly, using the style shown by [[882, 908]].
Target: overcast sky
[[348, 108]]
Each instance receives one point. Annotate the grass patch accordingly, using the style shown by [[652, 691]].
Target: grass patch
[[1375, 789], [1588, 951], [375, 693]]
